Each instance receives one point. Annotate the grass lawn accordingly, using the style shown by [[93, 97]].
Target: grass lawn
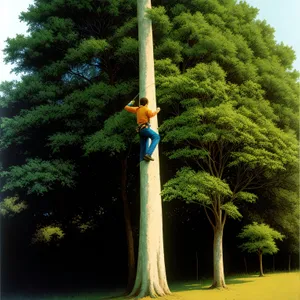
[[277, 286], [280, 286]]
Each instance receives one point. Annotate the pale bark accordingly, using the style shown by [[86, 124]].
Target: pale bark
[[219, 278], [151, 277], [261, 271]]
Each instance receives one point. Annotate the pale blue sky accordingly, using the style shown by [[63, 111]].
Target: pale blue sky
[[283, 16]]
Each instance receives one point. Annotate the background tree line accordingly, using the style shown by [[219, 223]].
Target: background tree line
[[229, 150]]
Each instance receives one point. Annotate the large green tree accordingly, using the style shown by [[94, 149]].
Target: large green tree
[[229, 147], [79, 66], [227, 124]]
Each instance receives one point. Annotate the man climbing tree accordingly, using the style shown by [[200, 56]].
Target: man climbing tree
[[143, 115], [151, 279]]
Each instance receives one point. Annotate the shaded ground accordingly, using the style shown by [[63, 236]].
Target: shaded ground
[[278, 286]]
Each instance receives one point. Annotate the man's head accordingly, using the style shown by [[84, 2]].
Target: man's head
[[143, 101]]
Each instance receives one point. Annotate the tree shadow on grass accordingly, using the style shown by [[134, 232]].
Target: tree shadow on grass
[[238, 280], [187, 286], [204, 285]]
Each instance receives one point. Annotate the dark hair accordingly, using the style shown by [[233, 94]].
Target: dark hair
[[143, 101]]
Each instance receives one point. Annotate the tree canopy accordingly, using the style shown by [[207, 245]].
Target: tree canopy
[[259, 238]]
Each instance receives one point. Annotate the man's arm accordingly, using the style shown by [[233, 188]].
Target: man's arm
[[151, 113], [129, 107]]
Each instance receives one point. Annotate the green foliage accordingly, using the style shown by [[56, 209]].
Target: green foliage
[[196, 187], [231, 210], [169, 49], [282, 203], [160, 20], [88, 103], [227, 89], [165, 67], [88, 49], [48, 234], [126, 28], [128, 47], [245, 196], [82, 225], [62, 139], [223, 118], [252, 144], [229, 34], [38, 176], [285, 54], [16, 92], [11, 206], [13, 128], [115, 137], [77, 61], [260, 238]]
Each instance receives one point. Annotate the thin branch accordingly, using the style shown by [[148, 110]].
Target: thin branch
[[199, 165], [215, 206], [212, 158], [224, 219], [209, 219], [243, 184], [79, 75]]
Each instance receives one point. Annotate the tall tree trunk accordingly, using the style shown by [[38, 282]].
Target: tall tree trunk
[[128, 229], [273, 263], [261, 271], [219, 279], [151, 279], [290, 259]]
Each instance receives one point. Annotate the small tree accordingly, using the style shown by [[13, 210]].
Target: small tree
[[260, 239]]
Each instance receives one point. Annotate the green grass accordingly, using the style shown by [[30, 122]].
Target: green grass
[[277, 286]]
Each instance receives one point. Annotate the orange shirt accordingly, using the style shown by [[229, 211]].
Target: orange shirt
[[143, 113]]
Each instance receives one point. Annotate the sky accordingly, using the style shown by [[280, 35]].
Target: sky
[[283, 16]]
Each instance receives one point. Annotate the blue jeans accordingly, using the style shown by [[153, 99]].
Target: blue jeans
[[145, 135]]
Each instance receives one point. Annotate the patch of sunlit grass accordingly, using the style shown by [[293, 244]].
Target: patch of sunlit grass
[[278, 286]]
